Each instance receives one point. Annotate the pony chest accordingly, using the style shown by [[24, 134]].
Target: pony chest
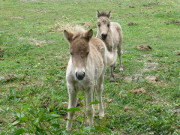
[[83, 85]]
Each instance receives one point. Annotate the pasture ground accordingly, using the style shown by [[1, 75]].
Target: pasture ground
[[144, 99]]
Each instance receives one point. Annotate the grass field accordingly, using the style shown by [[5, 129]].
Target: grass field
[[144, 99]]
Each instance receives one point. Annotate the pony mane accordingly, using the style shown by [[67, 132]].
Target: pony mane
[[99, 14], [78, 31]]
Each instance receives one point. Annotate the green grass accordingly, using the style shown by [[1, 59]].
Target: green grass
[[35, 100]]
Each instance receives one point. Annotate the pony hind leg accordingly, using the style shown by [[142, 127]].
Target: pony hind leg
[[114, 66], [120, 52], [111, 73]]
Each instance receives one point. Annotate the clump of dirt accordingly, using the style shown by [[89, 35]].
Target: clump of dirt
[[178, 53], [143, 47], [1, 121], [10, 77], [1, 50], [21, 125], [1, 54], [175, 22], [157, 78], [137, 91], [131, 24], [127, 108], [149, 7], [167, 23], [129, 14], [132, 6]]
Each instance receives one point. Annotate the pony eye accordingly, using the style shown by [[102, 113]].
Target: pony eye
[[71, 53], [99, 25], [87, 53], [108, 25]]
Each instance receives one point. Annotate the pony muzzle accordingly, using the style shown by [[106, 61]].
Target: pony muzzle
[[103, 36], [80, 75]]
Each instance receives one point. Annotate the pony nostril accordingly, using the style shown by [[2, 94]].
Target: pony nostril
[[80, 75], [104, 36]]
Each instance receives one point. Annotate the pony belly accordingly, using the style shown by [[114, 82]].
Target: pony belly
[[111, 58]]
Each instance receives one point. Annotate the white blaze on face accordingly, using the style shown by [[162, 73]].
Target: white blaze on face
[[103, 27]]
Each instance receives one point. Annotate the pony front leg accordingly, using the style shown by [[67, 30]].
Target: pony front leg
[[99, 93], [72, 103], [92, 99], [89, 108]]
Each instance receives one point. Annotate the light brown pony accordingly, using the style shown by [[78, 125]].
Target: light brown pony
[[85, 70], [111, 34]]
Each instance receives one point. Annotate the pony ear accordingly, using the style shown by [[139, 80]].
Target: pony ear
[[68, 35], [109, 14], [89, 34], [97, 14]]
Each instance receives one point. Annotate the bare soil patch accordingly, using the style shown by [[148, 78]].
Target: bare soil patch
[[151, 78], [17, 17], [150, 66], [29, 0], [36, 42]]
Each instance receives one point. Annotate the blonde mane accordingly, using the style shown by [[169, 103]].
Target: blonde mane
[[78, 31]]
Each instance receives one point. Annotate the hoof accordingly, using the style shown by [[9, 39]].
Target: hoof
[[101, 115], [112, 80], [121, 69]]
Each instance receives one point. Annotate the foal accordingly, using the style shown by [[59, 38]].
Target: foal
[[85, 71], [111, 34]]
